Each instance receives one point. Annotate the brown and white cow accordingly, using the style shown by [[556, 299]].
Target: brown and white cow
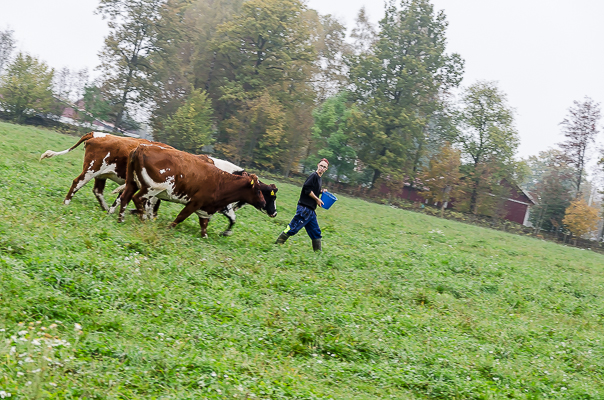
[[180, 177], [268, 191], [105, 157]]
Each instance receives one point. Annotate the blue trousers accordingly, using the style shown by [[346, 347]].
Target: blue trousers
[[304, 218]]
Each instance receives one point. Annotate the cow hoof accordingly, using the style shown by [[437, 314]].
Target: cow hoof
[[66, 202], [226, 233]]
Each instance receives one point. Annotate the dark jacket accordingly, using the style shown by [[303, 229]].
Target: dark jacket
[[312, 184]]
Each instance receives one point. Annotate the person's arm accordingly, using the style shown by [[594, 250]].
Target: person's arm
[[318, 200]]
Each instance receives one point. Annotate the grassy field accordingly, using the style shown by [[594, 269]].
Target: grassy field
[[399, 305]]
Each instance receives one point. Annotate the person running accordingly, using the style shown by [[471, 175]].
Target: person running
[[306, 217]]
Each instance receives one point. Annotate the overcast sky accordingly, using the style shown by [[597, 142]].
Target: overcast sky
[[543, 53]]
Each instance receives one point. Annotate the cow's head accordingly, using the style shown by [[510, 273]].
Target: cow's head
[[270, 196], [257, 198]]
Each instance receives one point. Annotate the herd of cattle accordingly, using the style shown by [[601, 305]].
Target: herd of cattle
[[149, 172]]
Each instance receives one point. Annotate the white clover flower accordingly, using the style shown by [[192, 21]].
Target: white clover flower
[[35, 371], [36, 342], [77, 327], [214, 374], [19, 373], [22, 333], [28, 360], [4, 394]]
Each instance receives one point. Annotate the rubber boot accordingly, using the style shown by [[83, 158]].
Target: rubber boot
[[316, 244], [282, 238]]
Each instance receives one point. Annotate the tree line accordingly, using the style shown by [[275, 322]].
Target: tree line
[[274, 85]]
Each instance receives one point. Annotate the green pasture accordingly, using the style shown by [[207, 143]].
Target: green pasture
[[398, 306]]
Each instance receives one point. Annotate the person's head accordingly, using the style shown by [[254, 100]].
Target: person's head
[[322, 166]]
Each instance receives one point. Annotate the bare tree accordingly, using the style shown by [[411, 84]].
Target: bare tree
[[7, 45], [580, 129], [364, 33], [125, 56], [69, 85]]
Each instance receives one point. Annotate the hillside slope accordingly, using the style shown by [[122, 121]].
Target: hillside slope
[[399, 305]]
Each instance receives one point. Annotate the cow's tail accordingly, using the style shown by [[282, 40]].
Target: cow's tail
[[50, 153], [119, 189]]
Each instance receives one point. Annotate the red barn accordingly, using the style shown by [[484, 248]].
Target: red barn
[[516, 206]]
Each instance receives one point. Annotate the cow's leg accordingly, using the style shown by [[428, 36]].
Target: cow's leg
[[77, 184], [123, 201], [144, 201], [229, 212], [203, 224], [99, 187], [156, 206], [185, 213]]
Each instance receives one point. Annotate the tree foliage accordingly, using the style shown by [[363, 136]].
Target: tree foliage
[[267, 59], [397, 84], [580, 218], [487, 138], [190, 127], [442, 175], [550, 184], [26, 88], [334, 137], [125, 56], [95, 105]]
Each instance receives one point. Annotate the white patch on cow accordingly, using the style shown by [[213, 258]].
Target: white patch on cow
[[91, 165], [99, 134], [154, 145], [226, 166], [105, 170], [112, 209], [230, 213], [203, 214], [162, 171], [162, 190], [66, 202]]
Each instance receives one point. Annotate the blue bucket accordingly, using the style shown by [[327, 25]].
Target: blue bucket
[[328, 199]]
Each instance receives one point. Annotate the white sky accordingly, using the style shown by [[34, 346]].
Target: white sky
[[543, 53]]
